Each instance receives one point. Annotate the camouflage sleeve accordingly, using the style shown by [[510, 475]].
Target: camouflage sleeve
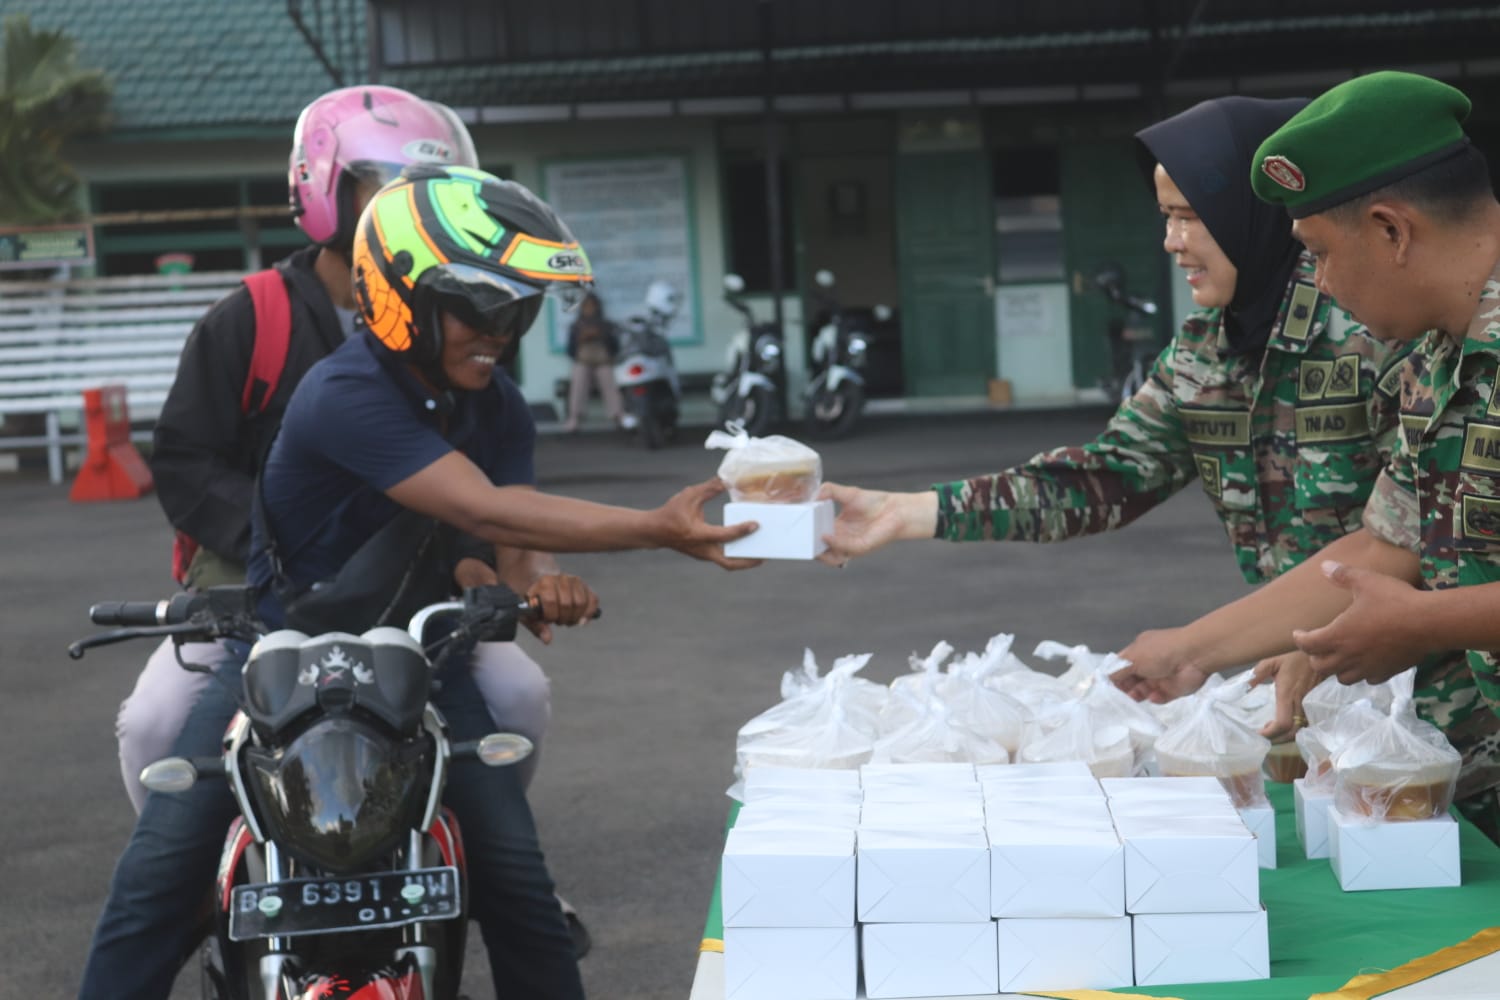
[[1140, 459], [1385, 403], [1391, 513]]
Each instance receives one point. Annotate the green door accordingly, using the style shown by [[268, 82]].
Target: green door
[[1109, 217], [944, 251]]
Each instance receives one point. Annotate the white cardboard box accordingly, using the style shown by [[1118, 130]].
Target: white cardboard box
[[1261, 822], [921, 774], [1201, 948], [1195, 864], [1171, 808], [1415, 854], [1064, 954], [788, 878], [1312, 817], [1021, 772], [787, 530], [1047, 870], [1048, 789], [930, 875], [929, 960], [1071, 814], [1131, 788], [790, 963], [813, 780], [797, 816], [964, 814]]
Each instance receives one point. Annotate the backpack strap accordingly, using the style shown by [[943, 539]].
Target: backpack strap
[[273, 334]]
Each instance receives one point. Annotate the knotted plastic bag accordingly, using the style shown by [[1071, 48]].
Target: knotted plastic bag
[[910, 693], [1088, 677], [1399, 769], [771, 469], [934, 735], [1330, 697], [1318, 743], [1212, 739], [1071, 731]]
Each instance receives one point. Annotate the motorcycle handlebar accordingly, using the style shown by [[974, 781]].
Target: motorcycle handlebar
[[144, 614]]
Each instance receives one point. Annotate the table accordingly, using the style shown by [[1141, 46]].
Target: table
[[1321, 937]]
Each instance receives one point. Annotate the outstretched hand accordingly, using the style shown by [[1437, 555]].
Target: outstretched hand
[[1377, 637], [684, 528], [1159, 669], [1294, 678], [871, 519]]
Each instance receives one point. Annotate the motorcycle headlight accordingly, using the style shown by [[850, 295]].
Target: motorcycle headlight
[[340, 794], [858, 345], [770, 354]]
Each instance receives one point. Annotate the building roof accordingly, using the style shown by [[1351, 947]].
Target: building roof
[[226, 65]]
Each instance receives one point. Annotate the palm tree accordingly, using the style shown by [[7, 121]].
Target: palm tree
[[46, 98]]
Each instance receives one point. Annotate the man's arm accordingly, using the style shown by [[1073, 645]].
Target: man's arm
[[1261, 624], [455, 491]]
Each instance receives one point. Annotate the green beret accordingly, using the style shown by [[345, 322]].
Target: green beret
[[1359, 137]]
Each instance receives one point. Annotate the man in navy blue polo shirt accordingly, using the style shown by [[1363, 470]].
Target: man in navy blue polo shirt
[[413, 421]]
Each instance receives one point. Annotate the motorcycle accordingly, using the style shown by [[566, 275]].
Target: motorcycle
[[749, 392], [343, 872], [1132, 337], [840, 351], [645, 371]]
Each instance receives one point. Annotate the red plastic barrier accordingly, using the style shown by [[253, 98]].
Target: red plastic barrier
[[112, 469]]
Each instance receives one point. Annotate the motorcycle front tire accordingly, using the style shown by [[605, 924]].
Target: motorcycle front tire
[[756, 411], [832, 413]]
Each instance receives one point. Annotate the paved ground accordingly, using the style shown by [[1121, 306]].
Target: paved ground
[[646, 701]]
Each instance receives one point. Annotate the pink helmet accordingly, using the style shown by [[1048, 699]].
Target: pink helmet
[[364, 133]]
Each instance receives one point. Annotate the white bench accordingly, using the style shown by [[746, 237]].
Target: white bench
[[58, 338]]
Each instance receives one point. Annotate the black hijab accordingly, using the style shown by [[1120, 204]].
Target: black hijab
[[1207, 150]]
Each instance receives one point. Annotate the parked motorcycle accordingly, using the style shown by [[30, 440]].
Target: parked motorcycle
[[645, 371], [343, 874], [840, 351], [749, 391], [1132, 336]]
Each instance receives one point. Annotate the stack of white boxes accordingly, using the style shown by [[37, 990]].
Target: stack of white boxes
[[788, 887], [1192, 882], [950, 880], [923, 883], [1057, 881]]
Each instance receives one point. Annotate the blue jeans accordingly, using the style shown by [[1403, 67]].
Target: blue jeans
[[150, 923]]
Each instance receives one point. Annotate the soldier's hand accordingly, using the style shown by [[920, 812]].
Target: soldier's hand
[[1293, 676], [870, 519], [1380, 634], [1160, 669]]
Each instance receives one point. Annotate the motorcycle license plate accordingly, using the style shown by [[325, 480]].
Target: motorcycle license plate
[[358, 902]]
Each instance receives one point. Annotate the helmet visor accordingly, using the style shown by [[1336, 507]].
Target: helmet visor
[[491, 302]]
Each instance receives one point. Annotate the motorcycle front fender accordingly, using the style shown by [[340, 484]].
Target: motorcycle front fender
[[838, 375]]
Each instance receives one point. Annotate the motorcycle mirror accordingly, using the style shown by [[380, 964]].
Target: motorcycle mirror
[[734, 284], [172, 774], [883, 312], [824, 278], [502, 749]]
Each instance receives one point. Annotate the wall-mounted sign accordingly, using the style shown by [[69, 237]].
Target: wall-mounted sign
[[46, 246], [634, 218]]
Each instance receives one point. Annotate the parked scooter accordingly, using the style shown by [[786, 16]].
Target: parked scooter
[[645, 371], [749, 391], [343, 872], [1132, 337], [840, 351]]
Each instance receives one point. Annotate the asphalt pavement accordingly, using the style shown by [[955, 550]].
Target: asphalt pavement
[[646, 701]]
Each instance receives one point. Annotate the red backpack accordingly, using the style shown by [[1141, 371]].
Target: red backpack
[[273, 334]]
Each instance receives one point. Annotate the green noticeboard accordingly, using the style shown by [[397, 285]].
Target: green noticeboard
[[46, 246]]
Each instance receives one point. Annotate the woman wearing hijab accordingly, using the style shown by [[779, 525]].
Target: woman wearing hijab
[[1270, 396]]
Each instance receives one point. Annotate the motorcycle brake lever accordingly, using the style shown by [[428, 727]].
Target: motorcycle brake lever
[[81, 646]]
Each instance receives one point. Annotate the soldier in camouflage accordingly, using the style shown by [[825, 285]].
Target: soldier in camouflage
[[1272, 397], [1397, 208]]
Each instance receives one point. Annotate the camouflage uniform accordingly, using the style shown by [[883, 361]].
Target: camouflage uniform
[[1287, 453], [1440, 498], [1287, 443]]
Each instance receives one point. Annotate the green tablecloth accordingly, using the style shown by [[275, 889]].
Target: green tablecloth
[[1321, 936]]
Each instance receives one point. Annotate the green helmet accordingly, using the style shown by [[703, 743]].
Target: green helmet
[[459, 240]]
